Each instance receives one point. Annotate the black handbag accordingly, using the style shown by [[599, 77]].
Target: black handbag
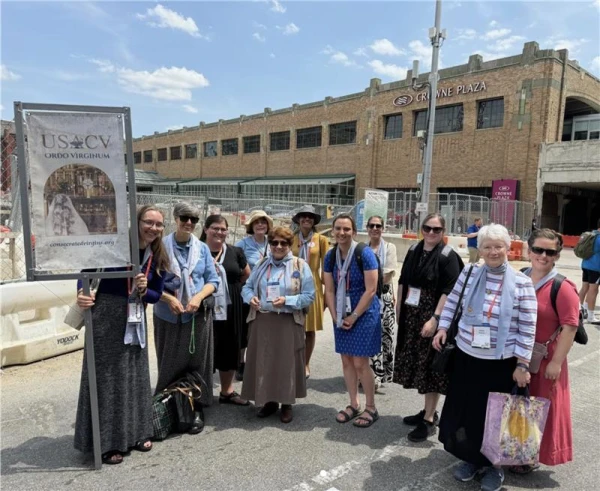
[[443, 361], [184, 404]]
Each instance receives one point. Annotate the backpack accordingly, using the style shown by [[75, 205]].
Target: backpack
[[585, 246], [358, 250], [581, 336]]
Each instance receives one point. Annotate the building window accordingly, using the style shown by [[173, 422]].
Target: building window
[[175, 153], [137, 157], [342, 133], [210, 149], [280, 141], [309, 137], [147, 156], [448, 119], [229, 147], [252, 144], [586, 130], [191, 151], [161, 154], [393, 126], [490, 113]]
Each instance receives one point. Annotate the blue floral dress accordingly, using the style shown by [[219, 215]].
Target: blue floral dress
[[364, 339]]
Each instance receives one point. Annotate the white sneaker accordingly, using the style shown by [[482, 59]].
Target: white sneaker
[[595, 318]]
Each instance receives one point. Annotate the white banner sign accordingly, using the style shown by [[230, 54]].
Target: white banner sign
[[376, 204], [78, 190]]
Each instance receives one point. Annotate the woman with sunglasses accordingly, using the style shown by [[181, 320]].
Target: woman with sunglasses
[[494, 344], [350, 292], [123, 375], [557, 328], [228, 325], [279, 292], [183, 324], [312, 247], [383, 363], [428, 274]]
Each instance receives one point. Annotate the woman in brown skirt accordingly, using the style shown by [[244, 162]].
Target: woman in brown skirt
[[279, 292]]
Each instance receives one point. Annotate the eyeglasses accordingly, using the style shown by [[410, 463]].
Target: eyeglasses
[[375, 225], [218, 229], [540, 250], [436, 230], [185, 219], [150, 224], [493, 248], [279, 243]]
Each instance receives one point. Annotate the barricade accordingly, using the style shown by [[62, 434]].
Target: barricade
[[516, 250], [570, 240], [32, 327]]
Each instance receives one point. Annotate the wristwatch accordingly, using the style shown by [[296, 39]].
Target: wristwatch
[[436, 317], [354, 314], [522, 367]]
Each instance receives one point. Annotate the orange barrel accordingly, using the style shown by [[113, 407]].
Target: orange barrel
[[516, 250]]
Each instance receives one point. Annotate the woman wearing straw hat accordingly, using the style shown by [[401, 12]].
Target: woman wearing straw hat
[[255, 247], [312, 247]]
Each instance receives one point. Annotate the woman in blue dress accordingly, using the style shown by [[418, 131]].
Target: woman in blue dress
[[350, 297]]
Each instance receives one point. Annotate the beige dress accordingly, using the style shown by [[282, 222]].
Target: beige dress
[[314, 319]]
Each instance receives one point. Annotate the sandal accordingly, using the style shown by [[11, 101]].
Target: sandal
[[367, 422], [523, 469], [233, 398], [112, 458], [143, 445], [354, 412]]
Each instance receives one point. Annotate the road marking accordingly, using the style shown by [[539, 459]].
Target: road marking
[[584, 359]]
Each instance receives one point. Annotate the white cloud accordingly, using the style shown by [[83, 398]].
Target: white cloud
[[167, 18], [290, 29], [172, 84], [259, 37], [104, 66], [1, 107], [493, 23], [277, 7], [385, 47], [6, 74], [361, 52], [596, 4], [174, 127], [258, 25], [189, 109], [505, 45], [338, 57], [595, 64], [388, 69], [69, 76], [466, 34], [421, 51], [572, 45], [495, 34], [272, 55]]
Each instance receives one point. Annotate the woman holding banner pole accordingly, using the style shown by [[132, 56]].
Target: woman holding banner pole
[[123, 377]]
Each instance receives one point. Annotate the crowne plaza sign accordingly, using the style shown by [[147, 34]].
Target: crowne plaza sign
[[406, 99]]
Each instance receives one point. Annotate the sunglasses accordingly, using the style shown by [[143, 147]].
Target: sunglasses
[[375, 225], [185, 219], [540, 250], [301, 216], [279, 243], [436, 230]]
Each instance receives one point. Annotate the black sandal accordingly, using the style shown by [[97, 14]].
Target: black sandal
[[141, 446], [348, 417], [113, 457], [233, 398], [369, 422]]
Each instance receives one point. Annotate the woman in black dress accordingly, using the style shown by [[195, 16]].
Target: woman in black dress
[[233, 270]]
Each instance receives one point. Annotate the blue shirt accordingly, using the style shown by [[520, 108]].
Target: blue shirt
[[293, 301], [593, 263], [472, 241], [204, 272], [253, 251]]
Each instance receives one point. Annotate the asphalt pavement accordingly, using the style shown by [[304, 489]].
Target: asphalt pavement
[[238, 451]]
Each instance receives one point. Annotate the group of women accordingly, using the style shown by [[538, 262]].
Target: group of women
[[254, 308]]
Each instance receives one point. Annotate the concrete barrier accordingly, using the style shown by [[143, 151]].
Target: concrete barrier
[[31, 321], [402, 244]]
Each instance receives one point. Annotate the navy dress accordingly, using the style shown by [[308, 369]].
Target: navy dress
[[364, 339]]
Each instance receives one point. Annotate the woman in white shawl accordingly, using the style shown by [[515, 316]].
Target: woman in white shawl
[[63, 218]]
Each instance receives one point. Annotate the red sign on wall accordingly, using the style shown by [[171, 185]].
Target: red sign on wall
[[505, 192]]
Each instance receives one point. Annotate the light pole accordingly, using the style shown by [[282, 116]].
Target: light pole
[[436, 35]]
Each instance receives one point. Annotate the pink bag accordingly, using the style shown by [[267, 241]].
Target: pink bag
[[514, 426]]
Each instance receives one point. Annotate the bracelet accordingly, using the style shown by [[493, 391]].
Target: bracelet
[[523, 366], [436, 317]]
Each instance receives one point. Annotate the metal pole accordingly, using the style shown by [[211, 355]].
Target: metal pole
[[435, 35], [91, 367]]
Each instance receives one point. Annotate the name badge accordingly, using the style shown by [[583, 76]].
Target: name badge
[[348, 305], [413, 297], [273, 292], [311, 244], [481, 337], [134, 310]]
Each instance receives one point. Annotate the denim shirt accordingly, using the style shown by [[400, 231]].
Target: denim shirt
[[292, 301], [253, 251], [204, 272]]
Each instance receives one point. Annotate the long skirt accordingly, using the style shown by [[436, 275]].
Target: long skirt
[[383, 363], [123, 381], [463, 418], [275, 360], [178, 353]]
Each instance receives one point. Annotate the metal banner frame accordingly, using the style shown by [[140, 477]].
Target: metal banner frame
[[23, 171]]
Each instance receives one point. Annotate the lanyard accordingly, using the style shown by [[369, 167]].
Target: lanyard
[[129, 287], [258, 248], [489, 312], [269, 274]]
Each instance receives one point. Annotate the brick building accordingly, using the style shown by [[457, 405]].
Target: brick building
[[495, 120]]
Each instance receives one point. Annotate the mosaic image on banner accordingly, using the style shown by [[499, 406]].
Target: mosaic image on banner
[[79, 196]]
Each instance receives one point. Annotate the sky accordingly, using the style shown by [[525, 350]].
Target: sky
[[178, 63]]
